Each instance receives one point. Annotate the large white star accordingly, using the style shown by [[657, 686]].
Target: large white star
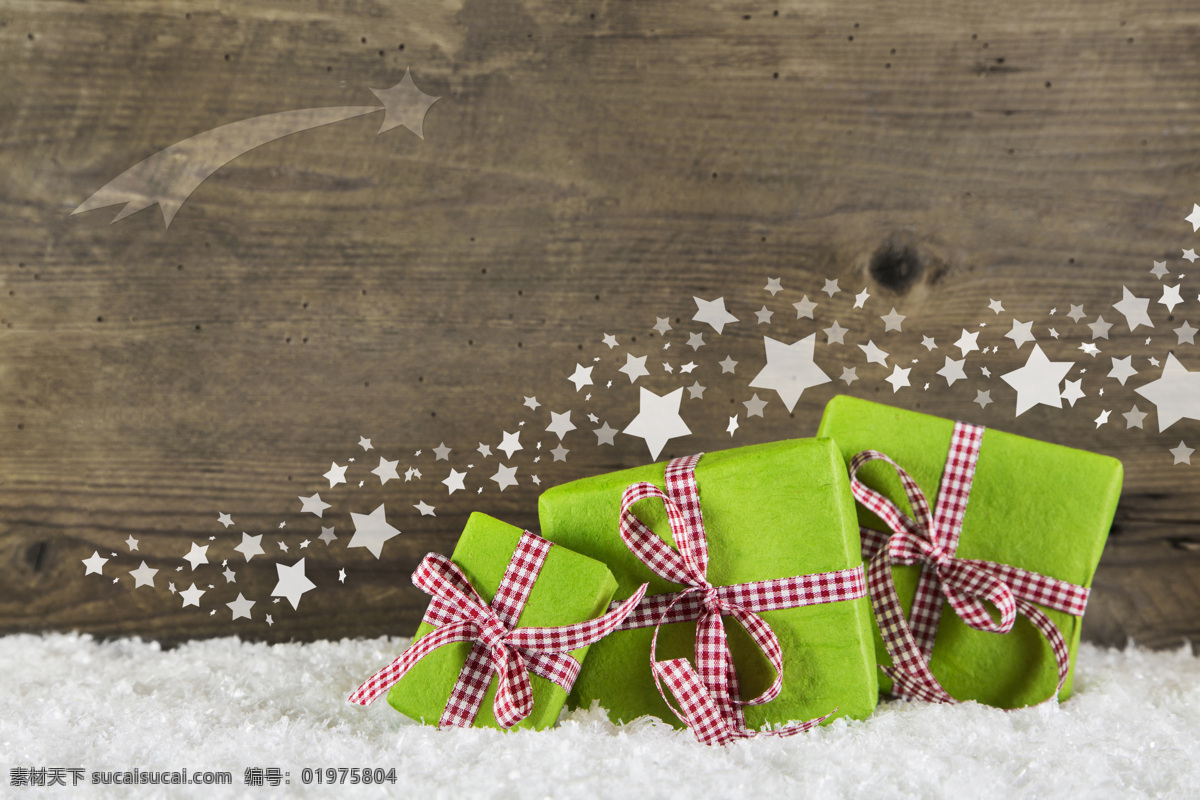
[[560, 424], [371, 531], [251, 546], [1134, 309], [292, 582], [1176, 393], [790, 369], [713, 312], [658, 420], [634, 367], [1038, 381]]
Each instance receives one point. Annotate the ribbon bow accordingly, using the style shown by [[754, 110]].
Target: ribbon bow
[[930, 538], [501, 648], [708, 694]]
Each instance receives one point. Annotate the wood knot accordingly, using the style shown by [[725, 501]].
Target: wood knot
[[896, 266]]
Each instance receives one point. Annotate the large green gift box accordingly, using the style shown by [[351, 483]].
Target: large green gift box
[[1037, 506], [570, 588], [770, 511]]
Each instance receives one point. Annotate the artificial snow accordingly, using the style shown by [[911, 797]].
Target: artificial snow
[[1132, 729]]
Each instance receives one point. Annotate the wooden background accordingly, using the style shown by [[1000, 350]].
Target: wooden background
[[590, 166]]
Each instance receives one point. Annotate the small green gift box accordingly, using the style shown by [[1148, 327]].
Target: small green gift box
[[772, 511], [1039, 507], [569, 588]]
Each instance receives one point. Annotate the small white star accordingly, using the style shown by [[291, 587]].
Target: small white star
[[685, 369], [967, 342], [611, 340], [892, 320], [143, 576], [454, 481], [224, 519], [696, 391], [1170, 297], [658, 420], [410, 473], [995, 305], [835, 333], [191, 597], [1182, 453], [764, 315], [364, 443], [861, 298], [713, 312], [634, 367], [1090, 349], [983, 398], [292, 583], [899, 378], [1103, 418], [661, 324], [1194, 217], [313, 505], [728, 365], [1186, 333], [1122, 369], [327, 535], [1072, 391], [1053, 333], [441, 452], [241, 607], [1159, 269], [95, 564], [804, 308], [695, 341], [335, 475], [510, 444], [733, 425], [372, 531], [560, 424], [505, 477], [849, 375], [605, 434], [1134, 418], [1076, 313], [581, 377], [953, 371], [1134, 309], [928, 343], [773, 286], [131, 543], [531, 403], [425, 509], [831, 287], [197, 555], [1021, 333], [386, 470], [874, 354], [754, 406], [1190, 255], [559, 453]]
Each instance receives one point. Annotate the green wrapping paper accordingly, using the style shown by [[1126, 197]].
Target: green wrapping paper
[[770, 511], [1034, 505], [570, 588]]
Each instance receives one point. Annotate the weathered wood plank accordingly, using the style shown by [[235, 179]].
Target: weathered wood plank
[[590, 168]]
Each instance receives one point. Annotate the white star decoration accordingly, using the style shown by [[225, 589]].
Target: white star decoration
[[1175, 394], [790, 369], [658, 420], [292, 583], [713, 312], [1037, 382]]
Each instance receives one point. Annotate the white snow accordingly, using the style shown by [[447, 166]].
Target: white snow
[[1131, 730]]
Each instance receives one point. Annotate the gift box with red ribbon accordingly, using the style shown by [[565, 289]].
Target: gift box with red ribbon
[[756, 612], [981, 547], [510, 619]]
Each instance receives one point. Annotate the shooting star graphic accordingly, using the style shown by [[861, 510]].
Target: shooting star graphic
[[171, 175]]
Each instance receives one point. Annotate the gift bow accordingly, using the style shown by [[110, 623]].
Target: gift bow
[[708, 694], [500, 647], [931, 539]]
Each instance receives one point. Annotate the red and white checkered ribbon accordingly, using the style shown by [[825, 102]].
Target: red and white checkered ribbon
[[931, 540], [499, 646], [709, 699]]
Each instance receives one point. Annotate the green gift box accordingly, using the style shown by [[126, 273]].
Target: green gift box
[[570, 588], [770, 511], [1033, 505]]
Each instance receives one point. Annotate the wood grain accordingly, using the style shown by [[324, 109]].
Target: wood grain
[[591, 167]]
